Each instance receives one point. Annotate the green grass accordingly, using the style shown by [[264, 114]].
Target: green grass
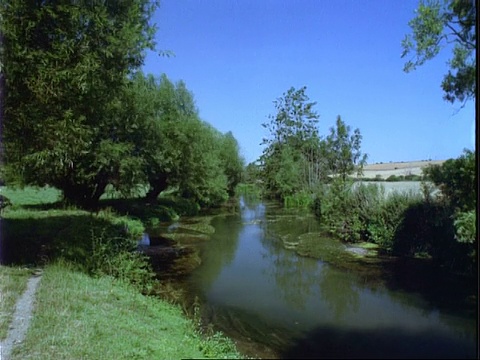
[[13, 282], [81, 310], [31, 195], [79, 317]]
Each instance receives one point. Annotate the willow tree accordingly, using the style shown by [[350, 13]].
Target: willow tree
[[66, 64]]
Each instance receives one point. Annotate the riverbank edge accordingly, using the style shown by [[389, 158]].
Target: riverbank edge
[[74, 314], [39, 204]]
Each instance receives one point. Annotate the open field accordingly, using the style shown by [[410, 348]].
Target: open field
[[399, 186], [397, 168]]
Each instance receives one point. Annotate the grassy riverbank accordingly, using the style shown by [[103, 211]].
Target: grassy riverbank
[[92, 302], [13, 282], [79, 317]]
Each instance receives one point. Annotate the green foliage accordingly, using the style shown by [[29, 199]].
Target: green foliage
[[179, 150], [66, 66], [302, 199], [296, 158], [363, 212], [292, 157], [99, 244], [122, 264], [343, 150], [203, 178], [295, 121], [465, 224], [457, 180], [231, 161], [252, 173], [427, 228], [213, 345], [402, 223], [466, 227], [393, 178], [436, 25], [248, 189], [412, 177]]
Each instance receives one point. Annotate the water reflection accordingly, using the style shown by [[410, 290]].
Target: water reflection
[[340, 293], [255, 287]]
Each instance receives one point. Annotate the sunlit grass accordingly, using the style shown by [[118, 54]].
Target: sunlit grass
[[31, 195], [78, 317], [13, 282]]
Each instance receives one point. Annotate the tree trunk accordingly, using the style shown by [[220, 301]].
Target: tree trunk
[[2, 95], [82, 195], [156, 188]]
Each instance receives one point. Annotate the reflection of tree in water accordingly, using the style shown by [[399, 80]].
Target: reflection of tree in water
[[294, 276], [221, 248], [339, 292], [298, 277], [251, 209]]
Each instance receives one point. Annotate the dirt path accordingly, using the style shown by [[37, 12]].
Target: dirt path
[[21, 318]]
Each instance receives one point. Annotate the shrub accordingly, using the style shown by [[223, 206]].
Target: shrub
[[457, 180], [122, 264], [465, 224], [412, 177], [302, 199], [393, 178], [362, 213], [465, 227]]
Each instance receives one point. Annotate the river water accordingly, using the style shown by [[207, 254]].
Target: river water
[[275, 303]]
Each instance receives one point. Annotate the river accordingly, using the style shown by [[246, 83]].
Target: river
[[277, 304]]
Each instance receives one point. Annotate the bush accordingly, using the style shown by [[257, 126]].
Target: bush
[[362, 213], [412, 177], [251, 190], [346, 210], [123, 264], [301, 199], [457, 180], [393, 178], [465, 227]]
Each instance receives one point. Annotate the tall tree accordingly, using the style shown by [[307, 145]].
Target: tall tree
[[232, 162], [293, 139], [344, 150], [67, 63], [179, 151], [202, 175], [295, 120], [2, 97], [437, 25]]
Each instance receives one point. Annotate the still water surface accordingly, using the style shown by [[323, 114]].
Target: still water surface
[[276, 303]]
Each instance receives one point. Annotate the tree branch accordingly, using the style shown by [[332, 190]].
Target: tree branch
[[461, 37]]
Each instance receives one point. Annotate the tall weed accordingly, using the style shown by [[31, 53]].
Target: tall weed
[[125, 265]]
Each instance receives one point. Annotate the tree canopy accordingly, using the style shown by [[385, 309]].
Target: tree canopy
[[81, 116], [445, 24], [344, 150], [66, 65], [296, 157]]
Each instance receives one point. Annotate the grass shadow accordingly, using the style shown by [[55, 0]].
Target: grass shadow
[[41, 239]]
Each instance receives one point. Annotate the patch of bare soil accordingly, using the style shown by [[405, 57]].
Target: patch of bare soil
[[21, 318]]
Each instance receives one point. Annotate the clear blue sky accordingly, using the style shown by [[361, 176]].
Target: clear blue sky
[[238, 56]]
